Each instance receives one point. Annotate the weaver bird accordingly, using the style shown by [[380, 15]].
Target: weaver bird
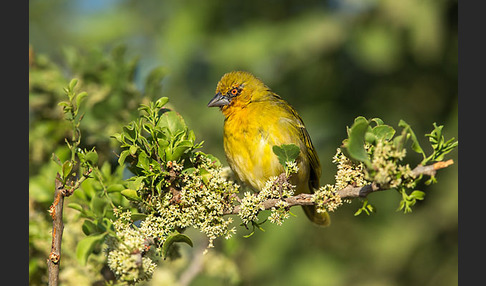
[[256, 119]]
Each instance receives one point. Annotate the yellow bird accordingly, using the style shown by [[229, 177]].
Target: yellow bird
[[256, 119]]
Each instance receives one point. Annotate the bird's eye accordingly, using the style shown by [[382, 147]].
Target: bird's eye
[[234, 91]]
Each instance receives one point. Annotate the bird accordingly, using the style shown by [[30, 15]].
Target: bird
[[255, 120]]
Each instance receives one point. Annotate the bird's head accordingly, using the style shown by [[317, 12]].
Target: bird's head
[[237, 89]]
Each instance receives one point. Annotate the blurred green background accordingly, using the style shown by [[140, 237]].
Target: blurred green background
[[332, 60]]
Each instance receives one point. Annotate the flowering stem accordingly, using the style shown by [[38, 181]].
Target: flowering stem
[[349, 192]]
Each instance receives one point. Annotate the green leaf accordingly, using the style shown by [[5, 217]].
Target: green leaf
[[173, 154], [118, 137], [97, 205], [86, 245], [89, 227], [161, 102], [123, 156], [72, 84], [138, 216], [431, 180], [131, 195], [191, 136], [215, 161], [379, 132], [67, 167], [378, 121], [143, 161], [103, 224], [415, 144], [286, 153], [370, 137], [173, 238], [114, 188], [92, 157], [205, 175], [163, 146], [250, 234], [437, 141], [130, 131], [400, 140], [133, 149], [65, 104], [383, 132], [418, 195], [408, 201], [366, 207], [355, 144], [401, 206], [80, 97], [75, 206], [173, 122], [137, 183]]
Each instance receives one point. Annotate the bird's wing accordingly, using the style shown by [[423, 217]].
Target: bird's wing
[[310, 152]]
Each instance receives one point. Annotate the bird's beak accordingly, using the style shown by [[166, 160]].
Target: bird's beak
[[219, 100]]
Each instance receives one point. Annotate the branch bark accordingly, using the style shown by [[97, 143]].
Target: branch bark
[[55, 210], [349, 192]]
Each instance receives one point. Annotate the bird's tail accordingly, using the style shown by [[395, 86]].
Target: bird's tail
[[320, 219]]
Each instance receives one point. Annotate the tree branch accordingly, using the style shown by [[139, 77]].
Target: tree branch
[[349, 192], [430, 170], [55, 210]]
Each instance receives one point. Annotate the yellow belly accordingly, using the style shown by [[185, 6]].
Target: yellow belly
[[248, 141]]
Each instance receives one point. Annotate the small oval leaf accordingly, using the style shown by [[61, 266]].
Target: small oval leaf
[[355, 144], [115, 188], [86, 246], [76, 206], [130, 195], [67, 167], [173, 238], [286, 153], [92, 157], [88, 227]]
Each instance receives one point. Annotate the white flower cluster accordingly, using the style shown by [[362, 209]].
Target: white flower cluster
[[128, 257], [291, 167], [279, 213], [202, 198], [348, 172], [275, 188], [327, 199], [203, 201], [385, 168], [251, 205]]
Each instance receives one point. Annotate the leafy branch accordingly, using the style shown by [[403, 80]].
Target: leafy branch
[[377, 154], [175, 186], [349, 192], [67, 181]]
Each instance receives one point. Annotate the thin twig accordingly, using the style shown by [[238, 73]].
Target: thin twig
[[194, 268], [430, 170]]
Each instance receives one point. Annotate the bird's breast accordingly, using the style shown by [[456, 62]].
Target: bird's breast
[[249, 136]]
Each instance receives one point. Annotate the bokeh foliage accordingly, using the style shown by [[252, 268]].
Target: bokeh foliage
[[332, 60]]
